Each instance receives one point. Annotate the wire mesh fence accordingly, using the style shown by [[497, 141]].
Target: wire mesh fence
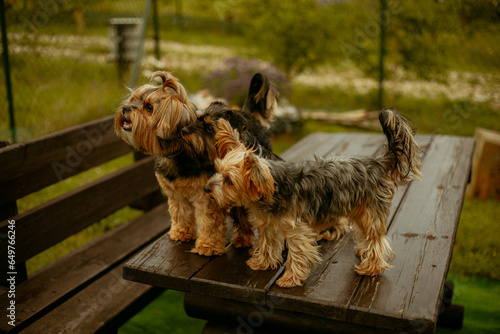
[[63, 55], [69, 56]]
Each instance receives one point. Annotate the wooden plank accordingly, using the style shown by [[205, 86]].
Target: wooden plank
[[47, 224], [332, 283], [35, 164], [229, 277], [96, 309], [316, 143], [423, 234], [9, 210], [166, 263], [54, 282], [359, 118]]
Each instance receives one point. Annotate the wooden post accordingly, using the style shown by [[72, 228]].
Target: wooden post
[[485, 175]]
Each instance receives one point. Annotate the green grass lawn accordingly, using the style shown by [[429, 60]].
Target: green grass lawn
[[481, 299], [164, 315]]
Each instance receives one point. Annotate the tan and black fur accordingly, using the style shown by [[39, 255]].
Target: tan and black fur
[[151, 120], [291, 203], [200, 136]]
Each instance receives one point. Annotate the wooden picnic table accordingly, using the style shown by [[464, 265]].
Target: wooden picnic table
[[406, 298]]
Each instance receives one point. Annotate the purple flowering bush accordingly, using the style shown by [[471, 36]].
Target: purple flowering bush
[[231, 80]]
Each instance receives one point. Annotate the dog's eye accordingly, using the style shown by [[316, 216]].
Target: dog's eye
[[227, 180], [209, 128], [149, 107]]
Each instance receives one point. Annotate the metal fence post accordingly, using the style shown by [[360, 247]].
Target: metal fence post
[[140, 48], [156, 27], [383, 7], [8, 84]]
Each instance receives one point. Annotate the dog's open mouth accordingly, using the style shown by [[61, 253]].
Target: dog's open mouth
[[125, 124]]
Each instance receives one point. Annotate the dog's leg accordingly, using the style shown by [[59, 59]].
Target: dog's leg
[[268, 251], [183, 221], [302, 254], [181, 210], [212, 228], [339, 228], [372, 247], [243, 232]]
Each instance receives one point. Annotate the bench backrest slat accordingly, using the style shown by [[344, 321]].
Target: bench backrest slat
[[33, 165], [45, 225]]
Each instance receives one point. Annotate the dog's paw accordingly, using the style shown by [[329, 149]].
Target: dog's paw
[[288, 281], [208, 250], [255, 264], [373, 268], [184, 236]]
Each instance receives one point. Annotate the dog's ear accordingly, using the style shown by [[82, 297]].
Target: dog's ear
[[236, 120], [262, 98], [170, 117], [226, 138], [257, 178]]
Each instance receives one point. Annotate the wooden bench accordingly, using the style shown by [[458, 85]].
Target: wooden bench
[[405, 299], [83, 291]]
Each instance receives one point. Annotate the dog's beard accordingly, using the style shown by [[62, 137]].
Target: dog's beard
[[128, 138]]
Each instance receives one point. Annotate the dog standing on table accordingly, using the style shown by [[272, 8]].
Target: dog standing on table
[[293, 202], [151, 120], [200, 136]]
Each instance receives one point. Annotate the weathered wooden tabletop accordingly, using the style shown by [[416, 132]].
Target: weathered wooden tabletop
[[422, 226]]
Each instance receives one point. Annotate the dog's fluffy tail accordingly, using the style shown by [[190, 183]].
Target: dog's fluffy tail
[[262, 99], [402, 156]]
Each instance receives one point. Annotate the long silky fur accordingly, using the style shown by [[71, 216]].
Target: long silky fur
[[321, 192]]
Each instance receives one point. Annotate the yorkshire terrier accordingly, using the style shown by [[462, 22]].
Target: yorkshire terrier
[[151, 120], [293, 202], [200, 136]]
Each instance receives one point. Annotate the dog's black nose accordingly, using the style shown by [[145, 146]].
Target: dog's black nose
[[207, 189], [126, 109]]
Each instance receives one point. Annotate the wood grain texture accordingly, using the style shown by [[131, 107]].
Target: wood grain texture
[[97, 308], [229, 277], [47, 224], [316, 143], [167, 264], [61, 278], [32, 165]]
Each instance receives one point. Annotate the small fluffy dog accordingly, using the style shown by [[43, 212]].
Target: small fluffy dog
[[293, 202], [151, 120], [200, 136]]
